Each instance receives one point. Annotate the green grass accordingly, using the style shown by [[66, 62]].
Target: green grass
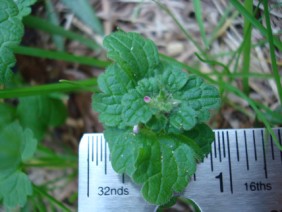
[[199, 16], [248, 4], [272, 50], [62, 56], [255, 23], [64, 86], [46, 26]]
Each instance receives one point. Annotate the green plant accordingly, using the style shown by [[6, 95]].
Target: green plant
[[153, 115], [11, 30], [227, 75], [24, 124]]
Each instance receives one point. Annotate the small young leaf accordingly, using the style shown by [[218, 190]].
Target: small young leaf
[[183, 118], [132, 52], [134, 109], [200, 96], [24, 7], [173, 78], [29, 145]]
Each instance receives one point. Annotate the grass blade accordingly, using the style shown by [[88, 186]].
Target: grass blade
[[89, 84], [255, 23], [53, 18], [41, 24], [272, 51], [43, 193], [184, 31], [41, 53], [84, 11], [199, 15], [223, 23], [247, 46]]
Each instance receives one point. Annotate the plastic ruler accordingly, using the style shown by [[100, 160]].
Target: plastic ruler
[[243, 172]]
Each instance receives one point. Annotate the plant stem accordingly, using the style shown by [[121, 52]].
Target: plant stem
[[41, 53], [272, 51], [89, 84]]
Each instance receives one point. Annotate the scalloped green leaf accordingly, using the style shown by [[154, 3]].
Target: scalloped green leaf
[[134, 109], [7, 114], [17, 145], [24, 7], [11, 31], [173, 78], [39, 112], [122, 146], [199, 96], [15, 189], [114, 83], [10, 151], [161, 163], [136, 55], [184, 118], [164, 165], [29, 145], [203, 135]]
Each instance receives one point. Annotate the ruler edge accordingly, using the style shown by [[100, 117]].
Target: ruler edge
[[86, 135]]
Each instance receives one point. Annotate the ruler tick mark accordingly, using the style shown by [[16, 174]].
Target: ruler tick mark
[[246, 150], [272, 149], [88, 167], [219, 146], [229, 163], [105, 157], [211, 161], [101, 150], [92, 145], [223, 144], [122, 179], [279, 137], [214, 145], [255, 146], [96, 141], [264, 156], [237, 146]]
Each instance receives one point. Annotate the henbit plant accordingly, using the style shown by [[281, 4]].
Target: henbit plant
[[154, 115]]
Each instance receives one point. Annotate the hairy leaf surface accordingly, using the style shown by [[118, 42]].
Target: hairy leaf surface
[[11, 32], [136, 55]]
